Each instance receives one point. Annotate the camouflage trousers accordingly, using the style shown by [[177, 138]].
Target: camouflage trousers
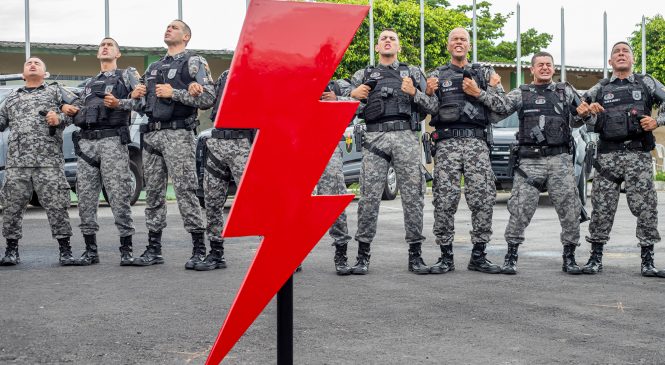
[[562, 189], [174, 153], [113, 173], [332, 183], [227, 159], [469, 157], [402, 148], [53, 192], [635, 169]]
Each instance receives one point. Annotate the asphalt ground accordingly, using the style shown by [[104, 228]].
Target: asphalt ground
[[166, 315]]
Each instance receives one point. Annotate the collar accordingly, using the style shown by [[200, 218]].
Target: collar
[[22, 88], [394, 65], [630, 78], [105, 73], [177, 55]]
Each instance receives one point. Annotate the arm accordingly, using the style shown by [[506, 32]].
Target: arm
[[4, 117], [504, 104], [487, 73], [657, 91], [426, 104], [590, 97], [573, 99], [207, 98], [131, 78]]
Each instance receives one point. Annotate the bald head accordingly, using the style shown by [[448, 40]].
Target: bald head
[[457, 32], [459, 45]]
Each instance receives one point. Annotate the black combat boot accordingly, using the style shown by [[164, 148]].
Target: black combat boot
[[478, 262], [90, 255], [11, 254], [153, 252], [215, 259], [126, 258], [510, 262], [595, 263], [198, 250], [569, 264], [341, 265], [66, 258], [445, 262], [362, 260], [416, 263], [647, 263]]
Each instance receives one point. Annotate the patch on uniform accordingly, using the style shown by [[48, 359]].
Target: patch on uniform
[[108, 89], [349, 142], [541, 100], [608, 96], [88, 90], [637, 94], [171, 73], [403, 73], [446, 83], [374, 75], [153, 72]]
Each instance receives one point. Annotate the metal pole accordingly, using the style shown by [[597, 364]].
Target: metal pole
[[27, 29], [605, 45], [422, 35], [371, 32], [106, 19], [475, 31], [644, 45], [518, 73], [247, 3], [180, 9], [285, 323], [563, 47]]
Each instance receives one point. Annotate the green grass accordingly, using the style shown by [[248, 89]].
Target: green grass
[[660, 176]]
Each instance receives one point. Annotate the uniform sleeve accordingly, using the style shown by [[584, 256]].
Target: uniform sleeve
[[503, 104], [573, 99], [64, 119], [206, 100], [488, 71], [427, 104], [357, 79], [129, 77], [4, 117], [590, 96]]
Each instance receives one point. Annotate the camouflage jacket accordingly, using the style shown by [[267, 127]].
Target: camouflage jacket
[[30, 144], [507, 104], [125, 104], [207, 98]]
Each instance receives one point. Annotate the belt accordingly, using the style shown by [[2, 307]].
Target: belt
[[542, 151], [98, 133], [397, 125], [173, 124], [607, 146], [231, 133], [447, 133]]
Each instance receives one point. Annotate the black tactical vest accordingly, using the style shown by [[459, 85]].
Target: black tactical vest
[[544, 117], [174, 72], [386, 101], [94, 114], [456, 109], [625, 104]]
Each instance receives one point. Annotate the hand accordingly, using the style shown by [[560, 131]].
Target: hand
[[648, 123], [596, 108], [139, 92], [495, 79], [432, 86], [195, 89], [329, 96], [111, 101], [70, 110], [407, 86], [583, 110], [470, 87], [164, 91], [52, 118], [361, 92]]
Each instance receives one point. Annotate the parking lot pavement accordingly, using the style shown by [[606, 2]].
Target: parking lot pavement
[[166, 315]]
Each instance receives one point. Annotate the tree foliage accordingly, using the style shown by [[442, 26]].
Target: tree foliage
[[655, 39]]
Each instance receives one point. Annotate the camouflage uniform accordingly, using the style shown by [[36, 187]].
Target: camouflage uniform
[[111, 170], [556, 171], [462, 155], [35, 162], [173, 151], [631, 165], [401, 148]]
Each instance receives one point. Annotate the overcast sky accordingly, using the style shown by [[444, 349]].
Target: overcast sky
[[216, 23]]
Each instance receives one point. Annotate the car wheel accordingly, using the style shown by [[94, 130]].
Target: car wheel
[[390, 186], [137, 183]]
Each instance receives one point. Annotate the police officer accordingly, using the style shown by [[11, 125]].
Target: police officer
[[332, 183], [547, 111], [461, 146], [34, 159], [227, 151], [177, 86], [394, 92], [620, 111], [101, 145]]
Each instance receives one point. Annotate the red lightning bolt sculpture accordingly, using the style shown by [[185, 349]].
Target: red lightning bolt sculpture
[[286, 54]]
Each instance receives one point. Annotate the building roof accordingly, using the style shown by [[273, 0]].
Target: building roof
[[91, 49], [556, 67]]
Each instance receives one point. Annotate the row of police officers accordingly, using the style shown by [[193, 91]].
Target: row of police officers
[[463, 99]]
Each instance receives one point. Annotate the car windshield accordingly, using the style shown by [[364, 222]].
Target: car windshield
[[510, 122], [4, 93]]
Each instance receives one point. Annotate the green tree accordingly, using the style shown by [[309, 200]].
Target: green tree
[[655, 37]]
